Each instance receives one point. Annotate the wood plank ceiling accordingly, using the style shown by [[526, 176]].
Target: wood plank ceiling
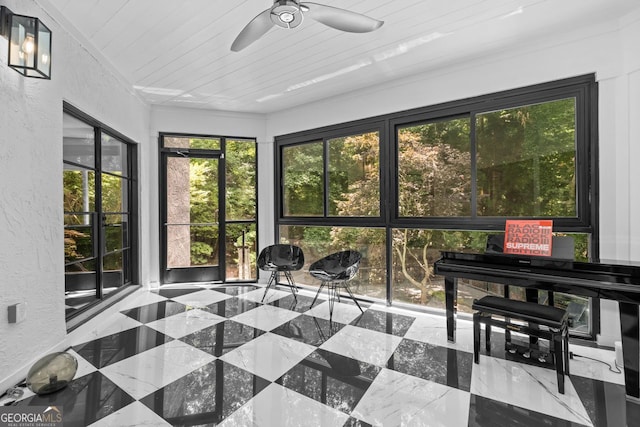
[[176, 52]]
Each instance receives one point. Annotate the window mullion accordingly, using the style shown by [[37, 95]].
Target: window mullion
[[474, 166]]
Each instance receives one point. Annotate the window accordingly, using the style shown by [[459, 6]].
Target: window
[[99, 211], [334, 177], [434, 169], [444, 177], [208, 208]]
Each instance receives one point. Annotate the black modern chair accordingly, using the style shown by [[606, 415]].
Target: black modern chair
[[334, 271], [281, 259]]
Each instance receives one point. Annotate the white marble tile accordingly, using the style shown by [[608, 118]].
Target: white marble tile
[[265, 317], [110, 323], [363, 344], [432, 329], [185, 323], [272, 295], [396, 399], [584, 367], [342, 313], [281, 407], [268, 356], [201, 299], [139, 299], [84, 367], [527, 386], [133, 415], [150, 370]]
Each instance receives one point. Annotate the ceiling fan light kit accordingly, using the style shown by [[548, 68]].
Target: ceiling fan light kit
[[289, 14]]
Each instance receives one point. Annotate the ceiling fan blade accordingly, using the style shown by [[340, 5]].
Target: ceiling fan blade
[[255, 29], [340, 19]]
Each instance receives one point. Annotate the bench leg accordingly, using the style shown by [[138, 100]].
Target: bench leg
[[556, 349], [565, 339], [487, 336], [476, 337]]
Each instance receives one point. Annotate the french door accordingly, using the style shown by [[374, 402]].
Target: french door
[[192, 207]]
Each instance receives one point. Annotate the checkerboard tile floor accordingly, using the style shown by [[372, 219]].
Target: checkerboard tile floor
[[217, 355]]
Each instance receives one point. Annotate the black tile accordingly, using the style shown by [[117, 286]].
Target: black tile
[[606, 402], [300, 304], [113, 348], [335, 380], [176, 292], [206, 396], [484, 412], [434, 363], [84, 400], [160, 310], [354, 422], [222, 338], [236, 289], [308, 329], [388, 323], [231, 307]]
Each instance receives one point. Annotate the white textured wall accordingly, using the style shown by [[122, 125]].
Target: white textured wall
[[31, 218]]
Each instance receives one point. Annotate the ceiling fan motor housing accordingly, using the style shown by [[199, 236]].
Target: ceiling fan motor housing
[[286, 14]]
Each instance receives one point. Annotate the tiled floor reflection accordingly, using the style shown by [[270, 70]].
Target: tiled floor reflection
[[220, 355]]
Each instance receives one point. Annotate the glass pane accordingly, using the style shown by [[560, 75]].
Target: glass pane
[[189, 142], [189, 246], [114, 156], [80, 282], [116, 232], [78, 144], [22, 41], [303, 173], [240, 165], [192, 190], [318, 242], [113, 271], [241, 252], [79, 190], [527, 161], [434, 169], [114, 193], [354, 175], [78, 243]]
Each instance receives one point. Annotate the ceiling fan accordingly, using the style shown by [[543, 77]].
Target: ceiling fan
[[289, 14]]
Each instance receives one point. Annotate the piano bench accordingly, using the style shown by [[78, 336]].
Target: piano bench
[[555, 319]]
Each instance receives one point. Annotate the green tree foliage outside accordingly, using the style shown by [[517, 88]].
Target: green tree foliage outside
[[525, 161]]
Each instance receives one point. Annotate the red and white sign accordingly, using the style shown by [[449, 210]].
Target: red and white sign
[[528, 237]]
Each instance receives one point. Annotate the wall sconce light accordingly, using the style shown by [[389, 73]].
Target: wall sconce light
[[29, 44]]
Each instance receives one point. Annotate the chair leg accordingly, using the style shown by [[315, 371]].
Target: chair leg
[[292, 285], [331, 289], [272, 279], [352, 297], [476, 337], [318, 293]]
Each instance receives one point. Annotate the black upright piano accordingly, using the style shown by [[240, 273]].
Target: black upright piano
[[617, 282]]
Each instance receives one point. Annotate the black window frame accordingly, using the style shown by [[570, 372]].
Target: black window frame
[[583, 88], [131, 266], [162, 183]]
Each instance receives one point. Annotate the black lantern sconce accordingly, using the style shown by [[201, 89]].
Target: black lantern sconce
[[29, 44]]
